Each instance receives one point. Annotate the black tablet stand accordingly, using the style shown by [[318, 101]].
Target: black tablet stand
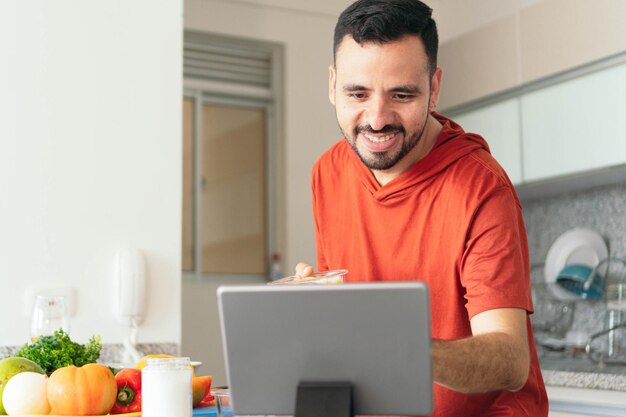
[[324, 399]]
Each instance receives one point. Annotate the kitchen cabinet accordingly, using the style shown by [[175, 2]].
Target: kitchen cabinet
[[530, 43], [499, 124], [575, 126], [560, 135], [579, 402]]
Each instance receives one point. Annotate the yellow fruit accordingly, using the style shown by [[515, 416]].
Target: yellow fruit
[[142, 363]]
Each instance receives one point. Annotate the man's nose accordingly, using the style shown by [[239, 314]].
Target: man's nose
[[379, 114]]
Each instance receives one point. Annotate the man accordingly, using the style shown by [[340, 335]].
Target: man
[[408, 195]]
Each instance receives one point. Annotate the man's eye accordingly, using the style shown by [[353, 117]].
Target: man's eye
[[357, 96], [403, 97]]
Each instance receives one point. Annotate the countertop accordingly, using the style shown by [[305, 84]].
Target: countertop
[[557, 370], [580, 372]]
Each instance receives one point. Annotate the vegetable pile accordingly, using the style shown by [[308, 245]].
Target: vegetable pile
[[89, 389], [76, 385], [58, 350]]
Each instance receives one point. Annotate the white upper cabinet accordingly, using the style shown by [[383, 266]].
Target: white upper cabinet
[[575, 126], [500, 126]]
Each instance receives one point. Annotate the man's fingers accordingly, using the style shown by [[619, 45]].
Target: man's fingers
[[304, 269]]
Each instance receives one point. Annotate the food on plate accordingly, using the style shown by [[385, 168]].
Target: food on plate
[[326, 277], [82, 391], [128, 398], [12, 366], [58, 350], [201, 387], [25, 393]]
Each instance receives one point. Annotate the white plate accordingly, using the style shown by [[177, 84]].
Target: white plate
[[576, 246]]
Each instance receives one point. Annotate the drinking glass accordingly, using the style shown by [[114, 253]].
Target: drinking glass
[[50, 313], [166, 388]]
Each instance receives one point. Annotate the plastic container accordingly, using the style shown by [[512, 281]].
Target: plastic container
[[553, 317], [327, 277], [166, 388], [222, 402]]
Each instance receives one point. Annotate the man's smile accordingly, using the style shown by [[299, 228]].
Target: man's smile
[[378, 139], [380, 142]]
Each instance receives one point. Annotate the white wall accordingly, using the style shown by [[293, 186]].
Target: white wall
[[90, 156]]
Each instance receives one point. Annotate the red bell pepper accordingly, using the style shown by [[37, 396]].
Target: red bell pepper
[[128, 399]]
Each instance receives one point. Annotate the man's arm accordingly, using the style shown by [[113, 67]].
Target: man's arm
[[496, 357]]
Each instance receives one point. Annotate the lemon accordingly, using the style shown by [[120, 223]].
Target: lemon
[[142, 363]]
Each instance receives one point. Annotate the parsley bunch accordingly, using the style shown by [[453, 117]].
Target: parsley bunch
[[58, 350]]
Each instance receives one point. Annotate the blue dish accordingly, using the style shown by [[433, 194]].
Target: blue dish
[[205, 412], [212, 412], [573, 278]]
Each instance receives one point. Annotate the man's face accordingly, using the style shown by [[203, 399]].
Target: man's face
[[382, 95]]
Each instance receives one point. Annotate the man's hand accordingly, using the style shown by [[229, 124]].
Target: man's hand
[[495, 358], [304, 270]]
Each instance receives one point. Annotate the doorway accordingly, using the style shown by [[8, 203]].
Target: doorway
[[230, 201]]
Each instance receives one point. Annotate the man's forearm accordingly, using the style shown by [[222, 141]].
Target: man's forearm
[[482, 363]]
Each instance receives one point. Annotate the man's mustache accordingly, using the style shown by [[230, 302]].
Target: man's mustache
[[385, 129]]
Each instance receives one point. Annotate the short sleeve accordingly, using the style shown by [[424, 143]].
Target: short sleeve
[[322, 264], [495, 263]]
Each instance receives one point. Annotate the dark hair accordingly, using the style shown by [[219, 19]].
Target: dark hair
[[384, 21]]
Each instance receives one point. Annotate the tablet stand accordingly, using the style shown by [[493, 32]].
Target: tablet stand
[[324, 399]]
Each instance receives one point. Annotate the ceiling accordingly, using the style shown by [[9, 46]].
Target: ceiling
[[454, 17]]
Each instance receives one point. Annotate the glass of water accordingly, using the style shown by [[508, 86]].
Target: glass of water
[[50, 313]]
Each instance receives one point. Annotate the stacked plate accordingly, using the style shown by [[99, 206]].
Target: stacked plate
[[577, 246]]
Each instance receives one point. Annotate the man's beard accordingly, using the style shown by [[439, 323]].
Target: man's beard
[[381, 161]]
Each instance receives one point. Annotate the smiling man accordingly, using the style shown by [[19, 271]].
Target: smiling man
[[409, 195], [384, 101]]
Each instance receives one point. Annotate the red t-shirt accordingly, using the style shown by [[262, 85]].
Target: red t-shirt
[[452, 220]]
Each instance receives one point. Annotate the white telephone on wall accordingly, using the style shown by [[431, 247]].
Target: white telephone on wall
[[129, 277], [130, 285]]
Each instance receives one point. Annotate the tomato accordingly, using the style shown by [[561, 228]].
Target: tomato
[[128, 399], [201, 387], [82, 391]]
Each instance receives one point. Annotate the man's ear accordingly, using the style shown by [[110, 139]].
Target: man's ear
[[332, 80], [435, 88]]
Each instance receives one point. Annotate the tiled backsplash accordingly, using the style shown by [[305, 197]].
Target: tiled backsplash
[[602, 209], [113, 353]]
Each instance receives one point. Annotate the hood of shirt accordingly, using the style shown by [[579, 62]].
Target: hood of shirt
[[452, 144]]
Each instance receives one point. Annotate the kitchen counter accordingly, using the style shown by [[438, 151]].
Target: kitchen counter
[[558, 371], [580, 372]]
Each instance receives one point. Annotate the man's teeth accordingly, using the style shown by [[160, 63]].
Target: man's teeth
[[380, 139]]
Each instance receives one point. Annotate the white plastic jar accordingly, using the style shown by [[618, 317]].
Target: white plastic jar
[[166, 388]]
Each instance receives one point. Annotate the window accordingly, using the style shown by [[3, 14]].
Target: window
[[229, 157]]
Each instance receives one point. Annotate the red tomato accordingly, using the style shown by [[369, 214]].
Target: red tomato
[[201, 387]]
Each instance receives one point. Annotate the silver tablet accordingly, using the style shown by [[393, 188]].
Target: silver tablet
[[376, 336]]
